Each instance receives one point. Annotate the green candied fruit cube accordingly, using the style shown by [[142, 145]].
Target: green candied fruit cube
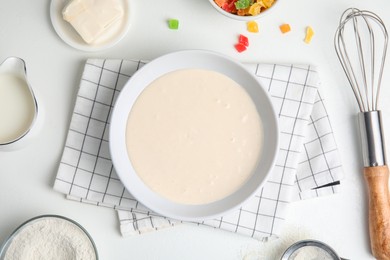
[[173, 24], [242, 4]]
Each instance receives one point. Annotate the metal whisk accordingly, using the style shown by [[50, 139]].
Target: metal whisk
[[361, 43]]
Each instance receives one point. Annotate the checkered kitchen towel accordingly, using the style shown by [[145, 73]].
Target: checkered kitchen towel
[[307, 165]]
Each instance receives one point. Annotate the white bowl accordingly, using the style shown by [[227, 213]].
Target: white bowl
[[192, 59], [245, 18]]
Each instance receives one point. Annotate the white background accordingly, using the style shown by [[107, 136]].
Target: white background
[[54, 70]]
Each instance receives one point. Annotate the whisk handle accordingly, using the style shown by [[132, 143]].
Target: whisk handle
[[377, 179]]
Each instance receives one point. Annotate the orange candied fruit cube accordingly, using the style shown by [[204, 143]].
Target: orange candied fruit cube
[[220, 3], [285, 28], [243, 12]]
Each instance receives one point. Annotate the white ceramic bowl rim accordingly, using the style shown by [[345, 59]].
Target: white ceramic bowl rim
[[248, 17], [191, 59]]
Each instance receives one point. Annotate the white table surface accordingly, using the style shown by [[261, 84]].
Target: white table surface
[[54, 70]]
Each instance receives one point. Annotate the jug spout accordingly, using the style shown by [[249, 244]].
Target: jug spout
[[14, 65]]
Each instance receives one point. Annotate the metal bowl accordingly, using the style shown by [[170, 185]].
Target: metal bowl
[[326, 251]]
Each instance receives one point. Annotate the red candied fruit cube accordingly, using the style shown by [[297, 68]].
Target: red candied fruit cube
[[229, 6], [240, 47], [243, 40]]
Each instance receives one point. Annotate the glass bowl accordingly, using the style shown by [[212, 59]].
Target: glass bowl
[[59, 234]]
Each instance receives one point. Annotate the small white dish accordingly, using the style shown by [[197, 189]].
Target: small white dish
[[69, 35], [192, 59]]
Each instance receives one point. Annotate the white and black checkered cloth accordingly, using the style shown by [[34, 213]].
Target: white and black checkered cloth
[[307, 164]]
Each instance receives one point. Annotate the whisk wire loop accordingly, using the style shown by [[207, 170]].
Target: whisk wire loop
[[359, 61], [362, 61]]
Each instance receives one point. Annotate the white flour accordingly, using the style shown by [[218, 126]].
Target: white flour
[[50, 238], [310, 253]]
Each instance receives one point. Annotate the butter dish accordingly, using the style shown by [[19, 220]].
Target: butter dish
[[70, 31]]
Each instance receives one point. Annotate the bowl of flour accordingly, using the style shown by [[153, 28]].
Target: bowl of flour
[[49, 237]]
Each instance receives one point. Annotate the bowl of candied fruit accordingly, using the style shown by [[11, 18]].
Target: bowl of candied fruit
[[244, 9]]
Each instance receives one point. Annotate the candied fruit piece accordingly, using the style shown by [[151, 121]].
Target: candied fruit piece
[[252, 27], [285, 28], [173, 24], [268, 3], [255, 9], [260, 2], [220, 3], [243, 12], [309, 34], [242, 44], [229, 7], [242, 4], [243, 40], [240, 47]]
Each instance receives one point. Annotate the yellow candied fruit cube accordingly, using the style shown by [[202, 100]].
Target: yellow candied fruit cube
[[309, 34], [260, 2], [252, 27], [268, 3], [254, 9]]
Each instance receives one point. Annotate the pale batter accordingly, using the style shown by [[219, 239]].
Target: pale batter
[[194, 136]]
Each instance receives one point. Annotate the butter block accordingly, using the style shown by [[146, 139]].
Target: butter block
[[91, 18]]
